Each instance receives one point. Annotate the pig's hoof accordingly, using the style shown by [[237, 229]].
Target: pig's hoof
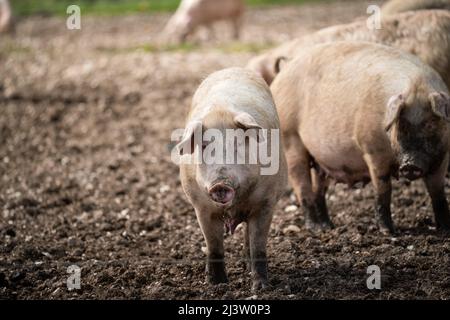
[[319, 226], [388, 230], [217, 278], [443, 227], [260, 284]]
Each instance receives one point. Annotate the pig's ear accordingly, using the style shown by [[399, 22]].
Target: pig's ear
[[440, 103], [394, 106], [187, 143], [246, 121], [279, 63]]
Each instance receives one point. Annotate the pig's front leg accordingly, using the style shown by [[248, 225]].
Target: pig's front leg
[[435, 184], [380, 175], [213, 230], [258, 231]]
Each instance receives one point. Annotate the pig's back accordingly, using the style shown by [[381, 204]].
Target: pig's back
[[348, 75], [236, 90], [206, 11], [396, 6]]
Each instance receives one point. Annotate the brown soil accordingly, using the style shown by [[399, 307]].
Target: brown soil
[[86, 176]]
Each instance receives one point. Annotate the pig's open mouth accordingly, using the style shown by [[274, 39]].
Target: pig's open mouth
[[222, 194]]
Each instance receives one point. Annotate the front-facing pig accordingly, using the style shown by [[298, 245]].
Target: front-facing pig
[[361, 112], [232, 166]]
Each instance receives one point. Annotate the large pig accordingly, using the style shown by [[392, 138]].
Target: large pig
[[5, 16], [423, 33], [360, 112], [397, 6], [194, 13], [228, 194]]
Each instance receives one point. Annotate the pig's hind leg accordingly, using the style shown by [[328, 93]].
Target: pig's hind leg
[[309, 187], [213, 230], [435, 184], [320, 187]]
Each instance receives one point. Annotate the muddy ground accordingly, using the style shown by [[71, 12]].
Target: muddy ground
[[86, 176]]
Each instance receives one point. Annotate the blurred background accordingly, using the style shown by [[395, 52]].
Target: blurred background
[[117, 7]]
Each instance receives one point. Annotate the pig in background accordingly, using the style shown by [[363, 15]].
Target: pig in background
[[223, 194], [425, 34], [360, 112], [5, 16], [192, 14], [397, 6]]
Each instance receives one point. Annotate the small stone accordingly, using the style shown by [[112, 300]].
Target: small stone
[[48, 255], [291, 229], [164, 189], [410, 248], [291, 208]]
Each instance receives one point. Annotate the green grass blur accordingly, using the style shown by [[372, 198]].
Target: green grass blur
[[115, 7]]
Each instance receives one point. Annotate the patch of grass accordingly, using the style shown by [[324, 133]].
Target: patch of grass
[[10, 47], [115, 7], [236, 47], [233, 47], [149, 48]]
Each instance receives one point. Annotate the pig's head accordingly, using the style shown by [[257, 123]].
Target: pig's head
[[224, 183], [418, 131]]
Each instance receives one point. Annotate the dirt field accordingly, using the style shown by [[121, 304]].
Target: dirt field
[[86, 176]]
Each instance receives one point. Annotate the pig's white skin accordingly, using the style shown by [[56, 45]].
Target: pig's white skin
[[332, 101], [5, 15], [194, 13], [397, 6], [219, 98], [425, 34]]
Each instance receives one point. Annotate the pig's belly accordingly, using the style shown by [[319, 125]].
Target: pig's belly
[[341, 160]]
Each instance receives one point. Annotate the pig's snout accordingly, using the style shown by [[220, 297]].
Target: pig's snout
[[411, 171], [221, 193]]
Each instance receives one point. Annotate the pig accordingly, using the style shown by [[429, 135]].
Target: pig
[[423, 33], [397, 6], [230, 194], [194, 13], [359, 112], [5, 16]]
